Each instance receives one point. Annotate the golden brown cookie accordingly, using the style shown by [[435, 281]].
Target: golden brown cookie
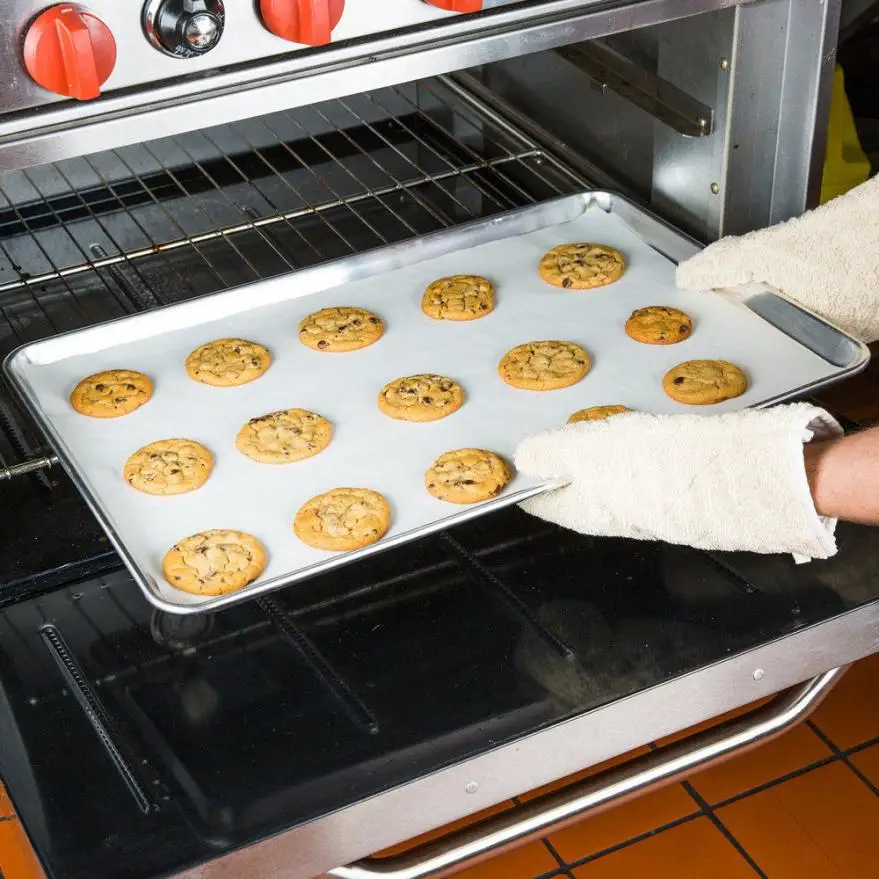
[[227, 363], [459, 297], [171, 466], [343, 519], [582, 266], [420, 398], [214, 562], [544, 366], [467, 476], [597, 413], [112, 393], [701, 382], [284, 436], [659, 325], [342, 328]]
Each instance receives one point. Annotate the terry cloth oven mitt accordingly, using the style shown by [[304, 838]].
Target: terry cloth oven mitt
[[827, 260], [720, 482]]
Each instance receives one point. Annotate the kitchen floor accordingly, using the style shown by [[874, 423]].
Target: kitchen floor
[[805, 806]]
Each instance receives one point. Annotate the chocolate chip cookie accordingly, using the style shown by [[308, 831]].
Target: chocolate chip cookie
[[544, 366], [582, 266], [421, 398], [597, 413], [459, 297], [702, 382], [659, 325], [227, 363], [343, 519], [112, 393], [341, 329], [214, 562], [467, 476], [171, 466], [284, 436]]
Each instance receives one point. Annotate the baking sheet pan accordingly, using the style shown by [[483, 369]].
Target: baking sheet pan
[[785, 350]]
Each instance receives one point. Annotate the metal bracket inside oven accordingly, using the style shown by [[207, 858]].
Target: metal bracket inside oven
[[651, 93], [549, 813]]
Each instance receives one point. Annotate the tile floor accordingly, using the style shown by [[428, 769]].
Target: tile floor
[[805, 806]]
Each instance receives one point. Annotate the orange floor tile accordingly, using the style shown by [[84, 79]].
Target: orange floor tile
[[849, 716], [17, 860], [788, 753], [821, 825], [695, 850], [525, 863], [6, 810], [616, 825], [868, 763]]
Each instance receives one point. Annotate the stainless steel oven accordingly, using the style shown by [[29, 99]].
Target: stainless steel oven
[[152, 152]]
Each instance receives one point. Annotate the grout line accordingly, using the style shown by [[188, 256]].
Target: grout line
[[703, 804], [635, 839], [843, 756], [553, 852]]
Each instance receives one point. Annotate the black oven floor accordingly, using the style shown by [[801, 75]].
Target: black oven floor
[[136, 743]]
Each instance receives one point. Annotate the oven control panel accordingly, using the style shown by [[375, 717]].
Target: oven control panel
[[81, 50]]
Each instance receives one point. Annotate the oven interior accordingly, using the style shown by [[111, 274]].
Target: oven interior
[[202, 734]]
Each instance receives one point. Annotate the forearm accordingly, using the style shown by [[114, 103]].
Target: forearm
[[844, 477]]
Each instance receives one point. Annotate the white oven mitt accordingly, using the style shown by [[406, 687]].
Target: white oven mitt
[[827, 259], [719, 482]]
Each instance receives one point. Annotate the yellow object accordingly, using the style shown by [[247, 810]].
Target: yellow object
[[845, 163]]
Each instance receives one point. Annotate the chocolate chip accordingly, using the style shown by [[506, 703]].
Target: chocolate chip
[[428, 400], [119, 399], [100, 387], [355, 323], [175, 470], [342, 328], [468, 482], [566, 282], [254, 361], [323, 344], [679, 380], [684, 328], [130, 388], [373, 320]]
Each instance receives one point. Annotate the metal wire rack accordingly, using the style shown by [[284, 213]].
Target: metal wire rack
[[113, 233]]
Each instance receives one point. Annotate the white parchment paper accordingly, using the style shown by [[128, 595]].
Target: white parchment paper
[[370, 450]]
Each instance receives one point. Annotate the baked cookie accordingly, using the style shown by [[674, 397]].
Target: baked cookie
[[341, 329], [227, 363], [582, 266], [420, 398], [284, 436], [701, 382], [544, 366], [466, 476], [343, 519], [171, 466], [659, 325], [214, 562], [112, 393], [459, 297], [597, 413]]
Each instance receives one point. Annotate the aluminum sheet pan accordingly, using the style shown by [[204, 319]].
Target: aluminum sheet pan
[[785, 350]]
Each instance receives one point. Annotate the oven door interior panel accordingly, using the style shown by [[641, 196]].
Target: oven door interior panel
[[201, 735]]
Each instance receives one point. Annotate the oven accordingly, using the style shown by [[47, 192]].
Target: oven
[[152, 152]]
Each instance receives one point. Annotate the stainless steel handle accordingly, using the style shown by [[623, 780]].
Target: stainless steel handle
[[481, 841]]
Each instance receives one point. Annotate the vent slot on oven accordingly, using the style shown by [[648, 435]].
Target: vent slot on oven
[[104, 235]]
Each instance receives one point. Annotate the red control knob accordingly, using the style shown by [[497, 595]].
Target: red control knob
[[68, 50], [458, 5], [309, 22]]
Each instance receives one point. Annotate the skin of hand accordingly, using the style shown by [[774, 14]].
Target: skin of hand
[[843, 477]]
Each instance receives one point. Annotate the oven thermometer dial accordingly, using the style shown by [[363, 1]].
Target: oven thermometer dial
[[184, 28]]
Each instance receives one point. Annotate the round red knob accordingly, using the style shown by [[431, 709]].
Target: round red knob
[[458, 5], [68, 50], [309, 22]]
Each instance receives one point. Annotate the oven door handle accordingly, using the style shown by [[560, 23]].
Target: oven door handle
[[478, 842]]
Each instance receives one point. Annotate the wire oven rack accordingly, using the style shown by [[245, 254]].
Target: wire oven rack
[[112, 233]]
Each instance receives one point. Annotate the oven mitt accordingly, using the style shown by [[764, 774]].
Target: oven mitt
[[827, 260], [723, 482]]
